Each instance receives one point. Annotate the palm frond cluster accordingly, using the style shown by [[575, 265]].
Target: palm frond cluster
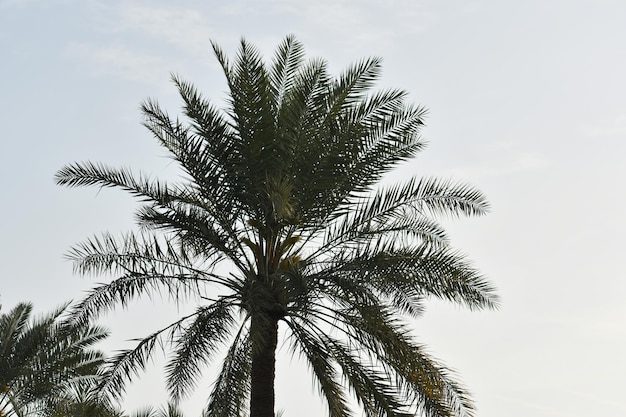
[[43, 359], [280, 190]]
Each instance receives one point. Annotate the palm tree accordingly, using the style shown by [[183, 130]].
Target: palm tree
[[41, 358], [85, 402], [280, 218], [82, 399], [170, 410]]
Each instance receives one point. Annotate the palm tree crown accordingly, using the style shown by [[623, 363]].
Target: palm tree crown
[[41, 359], [280, 190]]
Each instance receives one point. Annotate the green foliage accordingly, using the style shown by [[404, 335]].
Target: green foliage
[[280, 189], [43, 359]]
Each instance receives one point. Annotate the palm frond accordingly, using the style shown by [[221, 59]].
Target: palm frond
[[232, 386], [422, 381], [196, 345], [90, 174], [127, 363], [373, 389], [419, 271], [287, 61], [142, 254], [321, 363], [352, 85], [415, 200]]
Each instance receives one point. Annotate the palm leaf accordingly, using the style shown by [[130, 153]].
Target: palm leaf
[[198, 342], [232, 386]]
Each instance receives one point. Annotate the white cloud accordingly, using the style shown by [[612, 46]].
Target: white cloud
[[613, 127], [145, 43], [25, 3], [121, 61], [188, 30], [500, 159], [183, 28], [365, 22]]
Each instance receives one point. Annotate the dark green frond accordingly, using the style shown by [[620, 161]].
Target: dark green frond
[[320, 361], [131, 253], [128, 363], [431, 385], [373, 389], [206, 154], [196, 345], [199, 237], [415, 199], [231, 389], [419, 271], [285, 69], [352, 85], [123, 290], [90, 174]]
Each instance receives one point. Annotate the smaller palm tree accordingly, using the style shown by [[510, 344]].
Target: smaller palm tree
[[170, 410], [42, 358], [82, 399]]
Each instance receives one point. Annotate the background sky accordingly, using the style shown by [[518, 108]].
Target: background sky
[[527, 101]]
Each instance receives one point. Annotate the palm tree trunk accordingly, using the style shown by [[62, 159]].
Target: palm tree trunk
[[263, 370]]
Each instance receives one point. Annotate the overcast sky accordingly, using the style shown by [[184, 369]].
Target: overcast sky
[[527, 101]]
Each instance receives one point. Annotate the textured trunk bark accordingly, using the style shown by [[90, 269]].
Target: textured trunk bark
[[263, 372]]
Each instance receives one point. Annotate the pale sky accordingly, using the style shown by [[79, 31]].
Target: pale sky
[[527, 101]]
